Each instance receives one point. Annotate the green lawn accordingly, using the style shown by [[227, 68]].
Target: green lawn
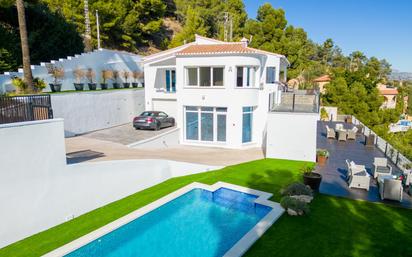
[[335, 226]]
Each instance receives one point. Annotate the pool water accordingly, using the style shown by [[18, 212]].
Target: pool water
[[405, 123], [198, 223]]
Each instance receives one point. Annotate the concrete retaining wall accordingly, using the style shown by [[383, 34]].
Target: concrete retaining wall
[[38, 190], [88, 111], [165, 140], [292, 136]]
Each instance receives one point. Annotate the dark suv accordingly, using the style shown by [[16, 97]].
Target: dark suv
[[153, 120]]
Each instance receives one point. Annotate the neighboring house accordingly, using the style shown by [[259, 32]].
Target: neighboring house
[[389, 94], [321, 82], [220, 93]]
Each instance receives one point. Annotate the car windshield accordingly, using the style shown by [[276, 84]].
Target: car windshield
[[150, 114]]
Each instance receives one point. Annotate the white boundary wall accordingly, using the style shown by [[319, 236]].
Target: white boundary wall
[[97, 60], [292, 136], [88, 111], [38, 190]]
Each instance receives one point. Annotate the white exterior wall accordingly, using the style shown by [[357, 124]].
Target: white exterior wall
[[38, 190], [88, 111], [97, 60], [292, 136], [227, 96]]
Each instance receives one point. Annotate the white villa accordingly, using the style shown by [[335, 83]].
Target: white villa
[[222, 93]]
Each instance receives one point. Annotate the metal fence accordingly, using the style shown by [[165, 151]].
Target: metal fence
[[390, 152], [25, 108]]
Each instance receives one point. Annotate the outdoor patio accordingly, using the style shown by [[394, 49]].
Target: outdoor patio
[[334, 180]]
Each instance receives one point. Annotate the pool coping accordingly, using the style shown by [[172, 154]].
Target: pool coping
[[237, 249]]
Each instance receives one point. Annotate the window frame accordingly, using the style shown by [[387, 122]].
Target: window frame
[[249, 111], [267, 72], [248, 77], [198, 76], [216, 111]]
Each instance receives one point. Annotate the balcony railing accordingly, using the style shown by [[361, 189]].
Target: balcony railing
[[306, 101]]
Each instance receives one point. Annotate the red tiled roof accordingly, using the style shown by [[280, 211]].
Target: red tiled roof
[[388, 91], [216, 48], [228, 48], [324, 78]]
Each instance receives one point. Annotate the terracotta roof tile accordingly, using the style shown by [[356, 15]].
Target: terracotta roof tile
[[216, 48], [388, 91], [324, 78]]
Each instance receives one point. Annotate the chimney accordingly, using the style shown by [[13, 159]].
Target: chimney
[[244, 42]]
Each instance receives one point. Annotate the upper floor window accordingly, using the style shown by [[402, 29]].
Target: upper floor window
[[245, 76], [270, 75], [170, 81], [204, 76]]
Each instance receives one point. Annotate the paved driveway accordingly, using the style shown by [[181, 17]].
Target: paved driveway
[[124, 134]]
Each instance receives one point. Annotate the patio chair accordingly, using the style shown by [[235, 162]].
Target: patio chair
[[342, 135], [330, 133], [352, 133], [358, 177], [391, 189], [381, 167]]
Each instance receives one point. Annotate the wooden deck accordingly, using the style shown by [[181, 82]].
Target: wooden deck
[[335, 170]]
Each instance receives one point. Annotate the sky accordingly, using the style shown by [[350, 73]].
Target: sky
[[381, 28]]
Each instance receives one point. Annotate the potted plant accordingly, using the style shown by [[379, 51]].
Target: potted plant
[[321, 156], [324, 114], [106, 75], [408, 166], [90, 75], [19, 84], [310, 178], [136, 76], [115, 78], [126, 75], [79, 76], [39, 84], [57, 72]]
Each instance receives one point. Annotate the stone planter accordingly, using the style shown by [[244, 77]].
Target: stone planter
[[55, 87], [104, 86], [126, 85], [92, 86], [78, 86], [312, 180], [116, 85], [134, 84]]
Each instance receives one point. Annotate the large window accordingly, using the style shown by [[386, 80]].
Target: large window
[[170, 81], [247, 120], [270, 75], [245, 76], [206, 124], [205, 76]]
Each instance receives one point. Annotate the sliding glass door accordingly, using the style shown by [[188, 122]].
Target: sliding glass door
[[207, 124]]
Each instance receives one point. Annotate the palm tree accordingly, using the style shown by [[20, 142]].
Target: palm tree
[[28, 76]]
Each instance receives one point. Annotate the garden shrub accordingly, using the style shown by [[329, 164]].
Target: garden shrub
[[297, 206], [297, 189]]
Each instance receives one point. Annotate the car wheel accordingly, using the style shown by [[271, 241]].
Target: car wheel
[[157, 126]]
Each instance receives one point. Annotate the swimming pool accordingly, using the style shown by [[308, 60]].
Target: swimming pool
[[196, 220]]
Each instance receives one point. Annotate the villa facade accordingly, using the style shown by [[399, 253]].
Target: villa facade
[[217, 91]]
